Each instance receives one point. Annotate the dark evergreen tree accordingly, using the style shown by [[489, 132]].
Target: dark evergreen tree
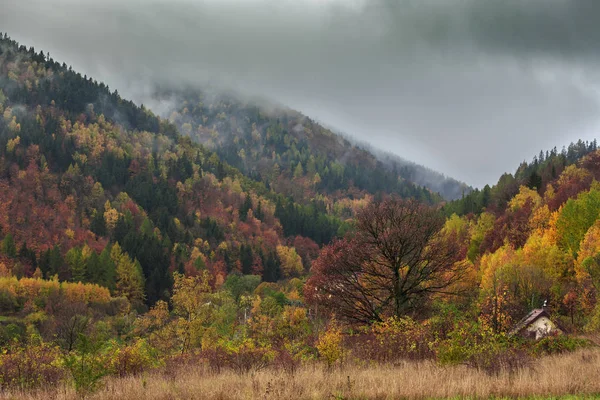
[[8, 246]]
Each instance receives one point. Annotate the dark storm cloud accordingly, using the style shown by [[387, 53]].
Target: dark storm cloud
[[469, 87]]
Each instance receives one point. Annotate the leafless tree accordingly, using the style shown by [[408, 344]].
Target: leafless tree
[[396, 259]]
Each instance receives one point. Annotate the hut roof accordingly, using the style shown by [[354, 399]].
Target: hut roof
[[529, 319]]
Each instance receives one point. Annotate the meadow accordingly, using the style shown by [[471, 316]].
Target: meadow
[[574, 375]]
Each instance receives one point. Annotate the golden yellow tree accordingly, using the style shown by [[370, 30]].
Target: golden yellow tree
[[291, 263], [330, 346], [192, 305]]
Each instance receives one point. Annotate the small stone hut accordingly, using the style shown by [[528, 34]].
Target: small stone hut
[[536, 325]]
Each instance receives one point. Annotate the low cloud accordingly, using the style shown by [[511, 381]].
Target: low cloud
[[468, 87]]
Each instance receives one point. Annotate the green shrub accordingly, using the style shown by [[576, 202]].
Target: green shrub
[[559, 344], [467, 340], [477, 346], [86, 365], [11, 333], [8, 301]]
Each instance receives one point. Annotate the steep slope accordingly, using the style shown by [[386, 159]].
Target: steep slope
[[81, 170], [293, 154]]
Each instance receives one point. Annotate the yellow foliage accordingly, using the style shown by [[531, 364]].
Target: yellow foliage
[[186, 128], [177, 222], [86, 252], [192, 305], [295, 316], [210, 339], [37, 274], [540, 218], [7, 114], [549, 193], [525, 194], [330, 346], [551, 232], [455, 225], [156, 318], [541, 252], [30, 289], [195, 254], [132, 358], [590, 247], [14, 126], [223, 246], [492, 263], [291, 263], [484, 224], [12, 143], [111, 216]]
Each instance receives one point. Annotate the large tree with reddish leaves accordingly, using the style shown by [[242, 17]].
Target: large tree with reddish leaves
[[395, 260]]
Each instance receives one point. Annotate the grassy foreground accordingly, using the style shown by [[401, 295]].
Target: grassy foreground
[[576, 374]]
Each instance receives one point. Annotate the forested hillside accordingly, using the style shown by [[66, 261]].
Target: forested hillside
[[543, 169], [536, 238], [293, 154], [448, 187], [82, 169]]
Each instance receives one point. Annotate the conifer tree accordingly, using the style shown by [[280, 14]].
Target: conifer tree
[[8, 246], [129, 276]]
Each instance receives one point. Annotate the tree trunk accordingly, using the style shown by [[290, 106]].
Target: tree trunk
[[397, 293]]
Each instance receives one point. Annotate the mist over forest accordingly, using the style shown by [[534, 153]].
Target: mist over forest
[[438, 83]]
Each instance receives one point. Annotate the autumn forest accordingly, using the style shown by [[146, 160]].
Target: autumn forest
[[249, 246]]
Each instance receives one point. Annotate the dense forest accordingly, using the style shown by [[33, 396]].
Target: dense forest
[[293, 154], [82, 170], [537, 174], [225, 238]]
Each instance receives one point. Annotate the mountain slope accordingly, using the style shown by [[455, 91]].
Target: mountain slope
[[81, 170], [293, 154]]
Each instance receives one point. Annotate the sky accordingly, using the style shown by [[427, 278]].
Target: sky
[[467, 87]]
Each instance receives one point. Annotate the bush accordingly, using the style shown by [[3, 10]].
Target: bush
[[330, 346], [558, 344], [287, 362], [86, 365], [173, 365], [242, 356], [403, 338], [393, 340], [501, 359], [11, 333], [30, 367], [132, 359], [246, 356], [477, 346], [8, 301], [216, 358]]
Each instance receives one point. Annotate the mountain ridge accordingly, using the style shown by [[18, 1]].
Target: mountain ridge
[[234, 127]]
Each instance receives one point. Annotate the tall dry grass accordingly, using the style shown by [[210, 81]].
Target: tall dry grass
[[576, 374]]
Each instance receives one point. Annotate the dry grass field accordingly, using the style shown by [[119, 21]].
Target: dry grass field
[[576, 374]]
